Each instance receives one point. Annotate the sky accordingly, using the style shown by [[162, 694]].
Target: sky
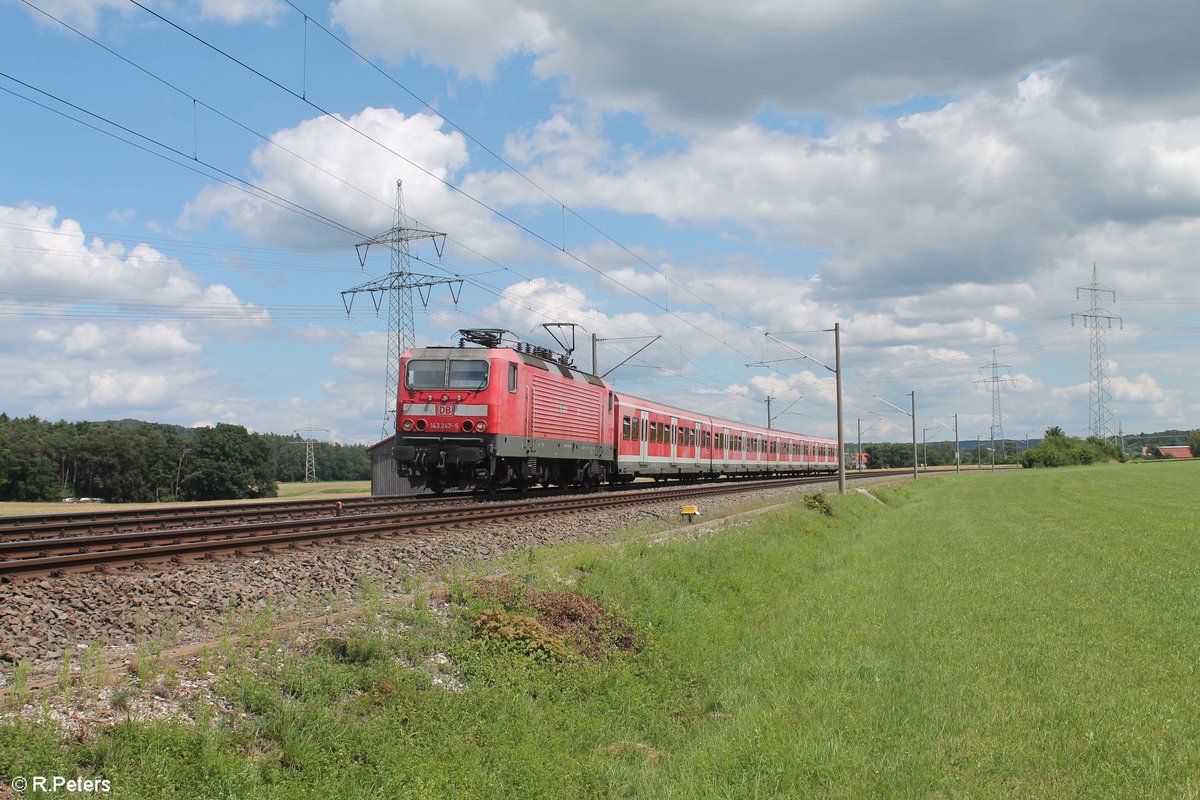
[[183, 183]]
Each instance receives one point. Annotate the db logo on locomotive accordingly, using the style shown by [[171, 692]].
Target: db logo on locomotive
[[445, 410]]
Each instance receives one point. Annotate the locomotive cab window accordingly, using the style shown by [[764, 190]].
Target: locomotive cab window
[[425, 374], [440, 373], [471, 375], [512, 379]]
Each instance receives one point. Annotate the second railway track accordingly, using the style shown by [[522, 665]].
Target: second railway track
[[47, 555]]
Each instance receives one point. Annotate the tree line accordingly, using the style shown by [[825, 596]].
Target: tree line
[[132, 461], [1054, 449], [898, 455]]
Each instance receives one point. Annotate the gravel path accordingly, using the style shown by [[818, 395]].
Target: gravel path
[[185, 603]]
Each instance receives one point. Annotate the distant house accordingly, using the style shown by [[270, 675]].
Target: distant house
[[1171, 451]]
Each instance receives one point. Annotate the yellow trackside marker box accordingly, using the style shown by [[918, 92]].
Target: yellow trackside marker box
[[688, 512]]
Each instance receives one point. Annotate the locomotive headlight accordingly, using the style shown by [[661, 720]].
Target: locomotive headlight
[[420, 424], [481, 426], [407, 425]]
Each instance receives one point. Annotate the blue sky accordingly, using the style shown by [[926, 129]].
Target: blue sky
[[938, 180]]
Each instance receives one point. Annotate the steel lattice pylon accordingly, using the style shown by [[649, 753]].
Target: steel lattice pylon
[[995, 380], [310, 458], [1100, 418], [397, 287]]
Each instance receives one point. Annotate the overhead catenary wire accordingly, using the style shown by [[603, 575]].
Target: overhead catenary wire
[[936, 368], [270, 141], [438, 178], [508, 164], [222, 176]]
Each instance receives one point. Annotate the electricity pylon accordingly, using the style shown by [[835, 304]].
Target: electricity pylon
[[397, 286], [310, 456], [1100, 418], [996, 380]]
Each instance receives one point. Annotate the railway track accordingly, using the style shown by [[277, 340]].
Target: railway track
[[55, 525], [40, 555], [50, 526]]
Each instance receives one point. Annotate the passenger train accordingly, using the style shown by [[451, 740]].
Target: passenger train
[[490, 416]]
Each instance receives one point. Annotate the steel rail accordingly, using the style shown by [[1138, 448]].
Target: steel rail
[[51, 525], [289, 532]]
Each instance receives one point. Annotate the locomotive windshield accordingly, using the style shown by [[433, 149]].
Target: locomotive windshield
[[471, 375], [441, 373]]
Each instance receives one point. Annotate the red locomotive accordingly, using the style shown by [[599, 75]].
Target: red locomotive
[[493, 416]]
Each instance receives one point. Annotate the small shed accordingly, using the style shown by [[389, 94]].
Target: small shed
[[385, 480]]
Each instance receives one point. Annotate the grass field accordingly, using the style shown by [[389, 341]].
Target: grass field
[[1023, 634], [287, 491]]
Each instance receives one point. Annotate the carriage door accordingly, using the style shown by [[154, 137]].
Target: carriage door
[[643, 419], [674, 434], [724, 444]]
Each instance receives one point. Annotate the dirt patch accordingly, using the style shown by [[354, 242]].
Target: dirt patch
[[576, 620]]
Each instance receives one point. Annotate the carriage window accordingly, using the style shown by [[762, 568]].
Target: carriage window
[[512, 379], [636, 429], [472, 375], [426, 374], [625, 428]]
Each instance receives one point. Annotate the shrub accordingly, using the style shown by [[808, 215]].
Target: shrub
[[1065, 451]]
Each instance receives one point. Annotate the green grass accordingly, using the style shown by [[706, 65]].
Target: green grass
[[301, 490], [1023, 634]]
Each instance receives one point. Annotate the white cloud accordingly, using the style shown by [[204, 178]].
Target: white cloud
[[88, 14], [709, 60], [237, 11], [96, 328], [82, 14], [43, 259], [110, 388], [363, 194], [1142, 389], [990, 192], [470, 36]]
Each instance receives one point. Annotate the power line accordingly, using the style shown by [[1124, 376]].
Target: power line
[[509, 165], [521, 226], [417, 166], [229, 179]]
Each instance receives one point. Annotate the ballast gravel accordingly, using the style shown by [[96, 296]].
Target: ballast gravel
[[188, 602]]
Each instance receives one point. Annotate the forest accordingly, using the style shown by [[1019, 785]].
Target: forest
[[133, 461]]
